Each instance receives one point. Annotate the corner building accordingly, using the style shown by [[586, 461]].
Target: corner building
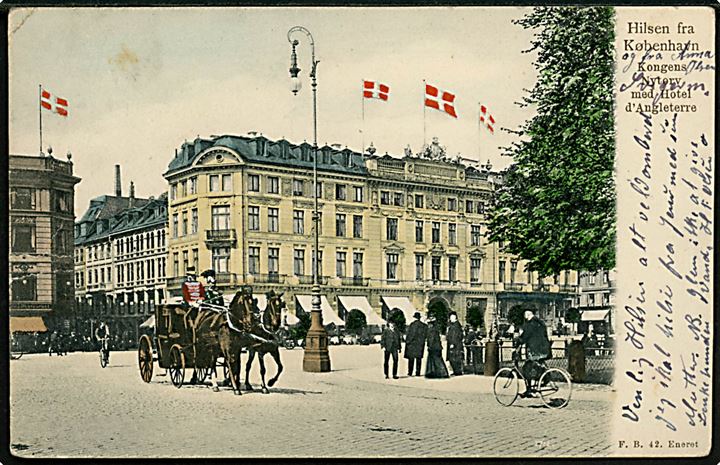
[[404, 232]]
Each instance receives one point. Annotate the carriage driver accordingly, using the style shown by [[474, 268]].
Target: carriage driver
[[212, 293], [193, 294]]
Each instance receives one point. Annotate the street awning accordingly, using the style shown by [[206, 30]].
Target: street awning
[[328, 314], [594, 315], [27, 324], [261, 301], [403, 303], [288, 318], [351, 302], [149, 323]]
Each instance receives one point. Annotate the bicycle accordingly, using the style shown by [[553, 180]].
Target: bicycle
[[104, 353], [554, 385]]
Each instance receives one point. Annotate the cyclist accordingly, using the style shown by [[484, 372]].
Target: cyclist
[[534, 336], [102, 334]]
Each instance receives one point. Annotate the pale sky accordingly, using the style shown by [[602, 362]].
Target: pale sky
[[141, 81]]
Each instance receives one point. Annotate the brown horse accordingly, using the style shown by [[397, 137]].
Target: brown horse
[[268, 331], [226, 332]]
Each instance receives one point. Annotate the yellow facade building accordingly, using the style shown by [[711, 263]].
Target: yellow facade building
[[406, 232]]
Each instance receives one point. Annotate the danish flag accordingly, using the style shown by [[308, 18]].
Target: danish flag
[[55, 104], [487, 119], [440, 100], [374, 89]]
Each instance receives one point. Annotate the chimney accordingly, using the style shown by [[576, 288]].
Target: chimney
[[118, 185], [131, 203]]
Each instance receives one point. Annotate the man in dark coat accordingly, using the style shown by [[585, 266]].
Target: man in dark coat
[[455, 352], [390, 342], [415, 344], [534, 337]]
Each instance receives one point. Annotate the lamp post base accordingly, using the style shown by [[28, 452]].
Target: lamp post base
[[316, 358]]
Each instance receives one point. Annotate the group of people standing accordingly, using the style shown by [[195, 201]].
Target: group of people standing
[[418, 336]]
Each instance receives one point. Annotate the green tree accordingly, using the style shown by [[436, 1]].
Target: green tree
[[475, 317], [572, 315], [441, 314], [556, 207], [516, 316], [355, 322], [397, 317]]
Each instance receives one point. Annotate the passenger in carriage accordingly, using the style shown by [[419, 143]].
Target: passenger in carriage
[[193, 294]]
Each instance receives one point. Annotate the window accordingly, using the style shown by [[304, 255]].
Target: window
[[452, 204], [419, 267], [62, 202], [606, 299], [358, 197], [214, 183], [273, 185], [319, 190], [357, 264], [419, 231], [475, 234], [22, 198], [384, 198], [340, 192], [591, 300], [186, 263], [254, 260], [175, 225], [468, 206], [195, 259], [298, 187], [591, 278], [173, 191], [398, 199], [273, 219], [566, 278], [392, 229], [253, 183], [501, 271], [184, 224], [357, 226], [319, 265], [480, 207], [23, 235], [435, 232], [176, 266], [452, 269], [340, 258], [193, 224], [391, 266], [319, 223], [452, 234], [419, 201], [220, 217], [298, 222], [221, 259], [227, 183], [253, 218], [606, 277], [529, 276], [273, 260], [340, 225], [24, 287], [183, 188], [102, 275], [475, 264], [513, 270], [193, 185], [435, 269], [299, 262]]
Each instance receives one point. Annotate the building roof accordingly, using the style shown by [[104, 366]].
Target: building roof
[[116, 216]]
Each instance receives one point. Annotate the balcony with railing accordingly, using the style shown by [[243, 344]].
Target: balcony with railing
[[569, 288], [220, 236], [269, 278], [515, 287], [355, 281]]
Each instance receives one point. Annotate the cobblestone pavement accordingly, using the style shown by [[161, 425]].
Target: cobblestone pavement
[[70, 407]]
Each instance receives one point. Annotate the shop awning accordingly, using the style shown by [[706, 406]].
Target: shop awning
[[262, 301], [351, 302], [288, 318], [594, 315], [328, 314], [27, 324], [403, 303], [149, 323]]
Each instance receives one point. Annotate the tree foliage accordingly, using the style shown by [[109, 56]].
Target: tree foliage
[[355, 322], [475, 316], [397, 317], [516, 316], [556, 207], [441, 314]]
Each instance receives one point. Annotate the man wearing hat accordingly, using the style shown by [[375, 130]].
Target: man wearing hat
[[212, 293], [415, 344], [193, 294], [455, 345]]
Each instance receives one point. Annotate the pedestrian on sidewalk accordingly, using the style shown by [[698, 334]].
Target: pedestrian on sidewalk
[[455, 351], [435, 367], [415, 344], [390, 342]]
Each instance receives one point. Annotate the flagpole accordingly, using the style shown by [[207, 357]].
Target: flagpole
[[40, 113], [424, 110], [478, 133], [362, 105]]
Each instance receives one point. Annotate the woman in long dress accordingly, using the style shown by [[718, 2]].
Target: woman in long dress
[[435, 367]]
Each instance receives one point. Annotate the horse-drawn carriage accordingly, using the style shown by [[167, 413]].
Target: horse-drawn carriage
[[198, 338]]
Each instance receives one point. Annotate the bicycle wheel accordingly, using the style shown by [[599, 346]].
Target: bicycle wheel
[[506, 386], [555, 388], [103, 361]]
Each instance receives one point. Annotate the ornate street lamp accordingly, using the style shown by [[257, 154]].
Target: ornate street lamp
[[316, 357]]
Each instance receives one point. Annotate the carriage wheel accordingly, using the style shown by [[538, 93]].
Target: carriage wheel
[[145, 358], [177, 366], [201, 374]]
